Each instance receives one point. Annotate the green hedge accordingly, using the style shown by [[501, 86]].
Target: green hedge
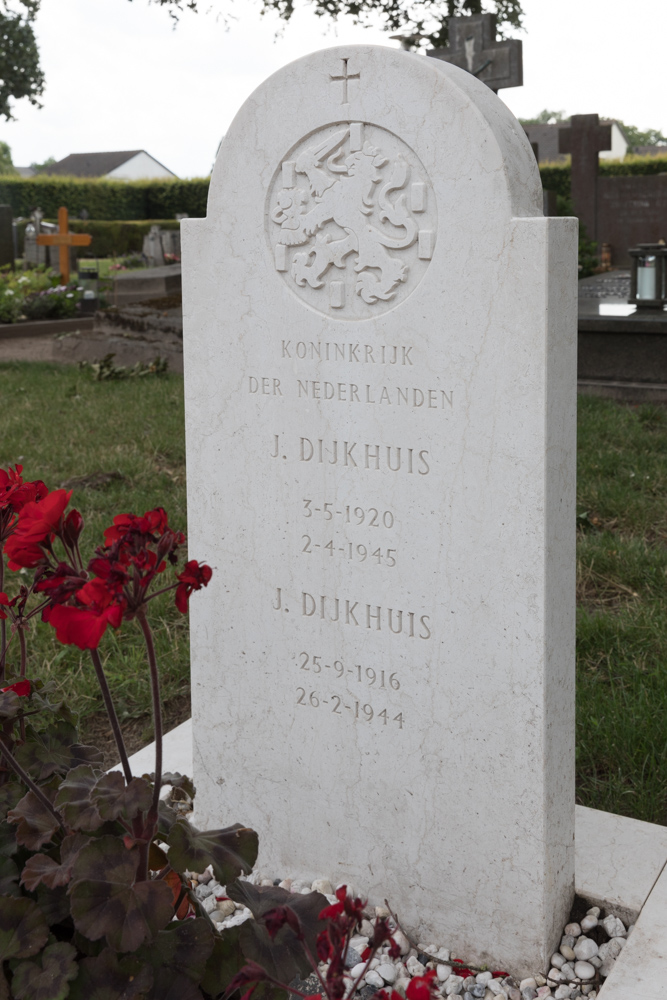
[[103, 199], [110, 239], [556, 176]]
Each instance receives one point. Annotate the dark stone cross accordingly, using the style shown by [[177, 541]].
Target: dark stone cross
[[584, 139], [473, 47]]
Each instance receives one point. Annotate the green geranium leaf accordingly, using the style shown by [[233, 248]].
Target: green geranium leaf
[[43, 868], [170, 986], [114, 798], [106, 902], [165, 819], [23, 930], [8, 845], [54, 904], [9, 796], [285, 955], [10, 704], [177, 780], [55, 750], [9, 878], [110, 977], [74, 801], [48, 979], [232, 851], [224, 962], [36, 824], [183, 947]]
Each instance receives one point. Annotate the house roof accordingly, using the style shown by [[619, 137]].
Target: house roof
[[92, 164]]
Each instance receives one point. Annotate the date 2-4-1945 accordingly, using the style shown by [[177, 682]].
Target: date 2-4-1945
[[363, 712]]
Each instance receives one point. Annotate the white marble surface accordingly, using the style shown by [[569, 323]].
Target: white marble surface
[[640, 971], [450, 583], [618, 860]]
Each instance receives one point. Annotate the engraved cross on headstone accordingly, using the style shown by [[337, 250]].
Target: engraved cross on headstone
[[344, 77], [473, 47], [584, 139]]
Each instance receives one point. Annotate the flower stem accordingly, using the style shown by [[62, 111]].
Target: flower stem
[[27, 780], [111, 712], [3, 624], [157, 709]]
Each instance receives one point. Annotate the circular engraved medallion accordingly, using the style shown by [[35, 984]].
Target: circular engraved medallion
[[351, 220]]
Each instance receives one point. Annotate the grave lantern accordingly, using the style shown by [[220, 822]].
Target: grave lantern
[[89, 281], [648, 278]]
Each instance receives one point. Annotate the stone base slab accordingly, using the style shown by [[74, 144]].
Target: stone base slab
[[620, 865]]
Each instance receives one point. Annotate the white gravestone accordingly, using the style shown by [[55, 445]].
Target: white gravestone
[[380, 368]]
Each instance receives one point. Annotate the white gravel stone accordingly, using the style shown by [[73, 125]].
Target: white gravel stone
[[529, 983], [356, 970], [388, 972], [401, 940], [631, 927], [453, 985], [540, 980], [381, 911], [367, 928], [567, 972], [223, 909], [373, 978], [589, 922], [567, 952], [415, 967], [573, 929], [544, 991], [443, 954], [374, 963], [614, 927], [554, 975], [594, 911], [236, 919], [585, 948], [483, 977], [286, 884], [563, 993], [322, 885], [558, 960], [401, 985], [568, 940], [443, 972], [584, 970], [496, 986], [596, 961], [609, 952]]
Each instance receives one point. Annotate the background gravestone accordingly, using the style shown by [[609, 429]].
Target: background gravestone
[[380, 375]]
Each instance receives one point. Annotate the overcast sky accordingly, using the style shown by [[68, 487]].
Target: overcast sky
[[120, 77]]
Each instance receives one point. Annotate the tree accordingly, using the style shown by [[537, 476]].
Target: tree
[[545, 117], [20, 72], [38, 167], [422, 22], [637, 137], [6, 165]]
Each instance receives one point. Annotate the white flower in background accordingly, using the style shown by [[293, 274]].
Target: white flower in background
[[70, 295], [9, 292]]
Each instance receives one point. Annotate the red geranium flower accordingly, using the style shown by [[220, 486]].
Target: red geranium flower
[[21, 688], [14, 493], [22, 554], [194, 577], [85, 626], [40, 518], [421, 987]]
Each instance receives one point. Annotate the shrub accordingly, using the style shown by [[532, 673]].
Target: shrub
[[105, 199]]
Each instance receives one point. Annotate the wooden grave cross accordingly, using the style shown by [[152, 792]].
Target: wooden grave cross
[[64, 240]]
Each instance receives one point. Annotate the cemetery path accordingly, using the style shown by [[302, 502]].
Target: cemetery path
[[137, 733]]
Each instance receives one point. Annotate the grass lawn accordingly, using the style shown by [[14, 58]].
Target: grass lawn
[[61, 424]]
